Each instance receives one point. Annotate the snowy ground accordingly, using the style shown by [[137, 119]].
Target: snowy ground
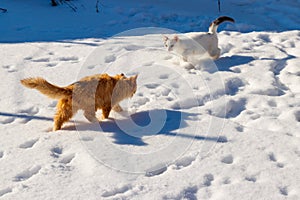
[[226, 130]]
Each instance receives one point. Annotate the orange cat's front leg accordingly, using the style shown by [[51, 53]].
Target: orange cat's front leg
[[105, 111]]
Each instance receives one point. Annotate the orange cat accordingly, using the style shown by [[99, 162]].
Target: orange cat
[[99, 91]]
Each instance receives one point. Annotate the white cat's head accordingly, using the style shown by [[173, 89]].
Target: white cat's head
[[170, 42]]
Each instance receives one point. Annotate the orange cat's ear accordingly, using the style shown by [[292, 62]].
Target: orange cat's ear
[[133, 78]]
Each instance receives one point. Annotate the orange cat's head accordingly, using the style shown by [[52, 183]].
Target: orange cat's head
[[125, 87], [119, 76]]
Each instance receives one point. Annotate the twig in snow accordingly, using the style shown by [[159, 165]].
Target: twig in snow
[[97, 6], [3, 10], [72, 6], [53, 3]]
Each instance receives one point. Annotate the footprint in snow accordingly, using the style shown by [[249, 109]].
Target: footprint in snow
[[222, 139], [272, 103], [227, 159], [283, 191], [163, 76], [68, 58], [41, 60], [29, 111], [233, 85], [142, 101], [5, 191], [7, 120], [184, 162], [165, 91], [56, 152], [133, 47], [272, 157], [151, 85], [91, 66], [250, 179], [280, 165], [116, 191], [189, 193], [28, 58], [67, 159], [155, 171], [109, 59], [235, 108], [1, 154], [27, 174], [208, 179], [28, 144], [10, 68], [297, 116], [148, 64], [51, 64], [52, 104], [239, 128], [87, 138], [168, 57], [226, 180], [175, 85], [297, 152], [169, 99]]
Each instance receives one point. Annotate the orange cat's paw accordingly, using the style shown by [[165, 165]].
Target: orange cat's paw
[[102, 118]]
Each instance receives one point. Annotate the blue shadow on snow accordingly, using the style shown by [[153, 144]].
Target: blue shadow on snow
[[225, 63], [174, 121]]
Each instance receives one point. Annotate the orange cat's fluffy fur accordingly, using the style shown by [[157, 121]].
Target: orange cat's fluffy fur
[[99, 91]]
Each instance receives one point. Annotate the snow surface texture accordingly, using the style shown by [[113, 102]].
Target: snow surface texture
[[225, 130]]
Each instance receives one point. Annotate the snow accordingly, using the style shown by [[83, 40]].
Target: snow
[[226, 129]]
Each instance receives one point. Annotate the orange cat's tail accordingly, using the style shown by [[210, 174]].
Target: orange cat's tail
[[47, 88]]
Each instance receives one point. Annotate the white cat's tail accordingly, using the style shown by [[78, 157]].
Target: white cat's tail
[[214, 25]]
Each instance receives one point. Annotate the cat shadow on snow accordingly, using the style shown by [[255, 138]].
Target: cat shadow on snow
[[221, 64], [139, 125], [225, 63]]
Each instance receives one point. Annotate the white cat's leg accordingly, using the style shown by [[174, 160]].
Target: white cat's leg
[[215, 53]]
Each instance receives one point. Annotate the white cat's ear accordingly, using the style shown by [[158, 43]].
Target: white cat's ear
[[165, 38], [176, 38]]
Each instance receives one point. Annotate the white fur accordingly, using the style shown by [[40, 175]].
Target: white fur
[[195, 43], [192, 45]]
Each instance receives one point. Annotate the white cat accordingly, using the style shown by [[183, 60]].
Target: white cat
[[195, 43]]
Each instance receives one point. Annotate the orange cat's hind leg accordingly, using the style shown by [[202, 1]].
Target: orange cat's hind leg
[[63, 114], [105, 111]]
